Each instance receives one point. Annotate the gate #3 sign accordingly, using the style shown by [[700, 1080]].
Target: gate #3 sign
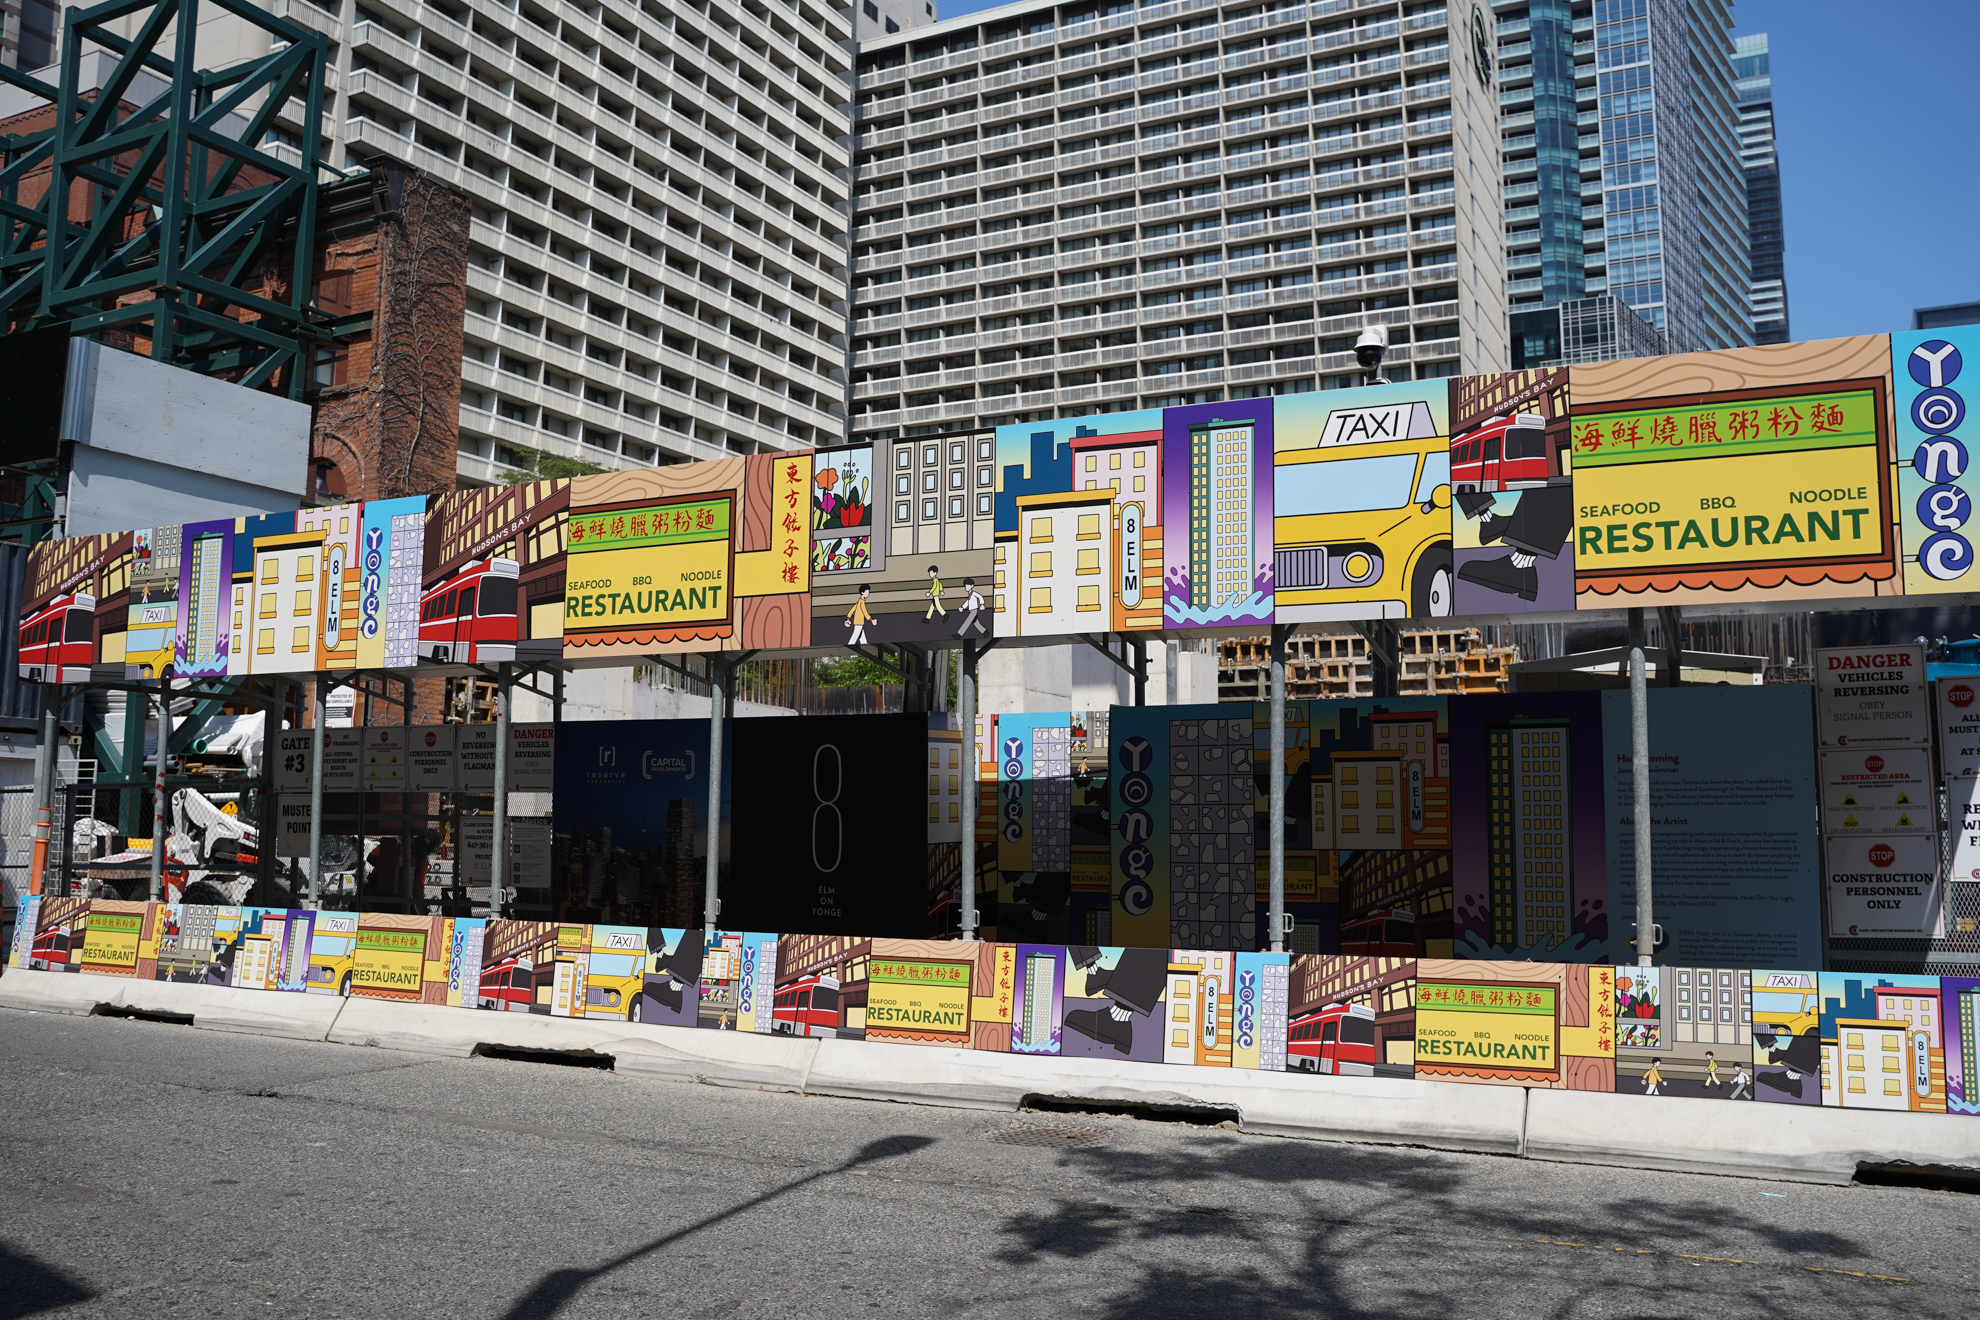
[[1872, 696]]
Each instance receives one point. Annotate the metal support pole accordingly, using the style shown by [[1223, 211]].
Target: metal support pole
[[319, 715], [498, 826], [415, 894], [966, 707], [1140, 645], [137, 716], [45, 758], [1670, 621], [1172, 680], [158, 827], [1276, 782], [711, 892], [1639, 764]]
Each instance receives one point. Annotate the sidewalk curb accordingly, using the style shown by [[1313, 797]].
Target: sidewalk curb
[[211, 1007], [1797, 1143], [1414, 1111], [684, 1054]]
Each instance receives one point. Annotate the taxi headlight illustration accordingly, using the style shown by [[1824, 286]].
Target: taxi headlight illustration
[[1359, 568]]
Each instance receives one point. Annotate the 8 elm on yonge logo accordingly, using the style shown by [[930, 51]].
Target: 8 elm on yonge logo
[[1137, 790], [1013, 789], [1941, 460]]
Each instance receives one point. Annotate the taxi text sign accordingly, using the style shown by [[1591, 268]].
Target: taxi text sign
[[1872, 696]]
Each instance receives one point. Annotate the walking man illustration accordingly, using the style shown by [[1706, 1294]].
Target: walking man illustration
[[1653, 1078], [972, 606], [1740, 1089], [1712, 1070], [857, 618], [935, 610]]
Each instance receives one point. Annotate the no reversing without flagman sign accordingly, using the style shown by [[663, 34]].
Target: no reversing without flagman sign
[[1872, 696]]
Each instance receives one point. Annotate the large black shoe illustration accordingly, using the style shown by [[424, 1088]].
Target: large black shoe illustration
[[1504, 576], [1098, 1024]]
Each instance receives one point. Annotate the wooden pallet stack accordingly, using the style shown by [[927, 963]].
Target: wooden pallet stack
[[1435, 662]]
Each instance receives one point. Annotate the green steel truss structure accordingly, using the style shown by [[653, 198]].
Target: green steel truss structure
[[173, 207]]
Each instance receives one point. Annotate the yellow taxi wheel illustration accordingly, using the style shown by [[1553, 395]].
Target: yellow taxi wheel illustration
[[1430, 585], [344, 987]]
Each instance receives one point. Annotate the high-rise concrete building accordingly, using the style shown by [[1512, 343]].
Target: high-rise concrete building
[[873, 19], [1649, 201], [657, 264], [1753, 68], [29, 31], [1068, 209]]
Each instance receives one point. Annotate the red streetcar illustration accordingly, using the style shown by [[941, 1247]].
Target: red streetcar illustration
[[1384, 935], [808, 1006], [508, 986], [470, 618], [1338, 1039], [58, 641], [51, 950], [1504, 453]]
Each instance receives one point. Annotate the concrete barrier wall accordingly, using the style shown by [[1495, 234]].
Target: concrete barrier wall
[[1790, 1142]]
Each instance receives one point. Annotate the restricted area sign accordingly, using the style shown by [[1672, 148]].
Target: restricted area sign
[[1872, 696], [1878, 792]]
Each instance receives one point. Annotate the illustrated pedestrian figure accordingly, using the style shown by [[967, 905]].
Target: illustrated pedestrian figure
[[1712, 1070], [857, 618], [972, 606], [1740, 1087], [935, 610], [1653, 1078]]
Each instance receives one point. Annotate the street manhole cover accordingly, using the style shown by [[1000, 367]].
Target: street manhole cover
[[1062, 1137]]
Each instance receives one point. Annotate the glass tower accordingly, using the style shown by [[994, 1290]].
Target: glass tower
[[1752, 67], [1620, 142]]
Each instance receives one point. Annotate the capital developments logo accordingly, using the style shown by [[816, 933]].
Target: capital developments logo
[[653, 763]]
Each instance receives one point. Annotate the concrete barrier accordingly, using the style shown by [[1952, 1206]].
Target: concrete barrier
[[1801, 1143], [1405, 1111], [1795, 1142], [211, 1007], [686, 1054]]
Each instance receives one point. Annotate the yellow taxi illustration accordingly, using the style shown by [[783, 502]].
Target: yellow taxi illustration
[[1362, 519]]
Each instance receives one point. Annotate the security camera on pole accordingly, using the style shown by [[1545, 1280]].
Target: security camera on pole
[[1369, 351]]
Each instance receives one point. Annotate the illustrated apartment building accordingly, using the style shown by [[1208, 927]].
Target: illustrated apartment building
[[1530, 833]]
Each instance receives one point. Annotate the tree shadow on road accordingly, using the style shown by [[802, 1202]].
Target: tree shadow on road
[[1394, 1234], [28, 1287], [561, 1286]]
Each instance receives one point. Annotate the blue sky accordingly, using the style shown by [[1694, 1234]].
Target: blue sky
[[1880, 185]]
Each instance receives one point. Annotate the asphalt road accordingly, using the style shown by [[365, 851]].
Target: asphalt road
[[158, 1170]]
